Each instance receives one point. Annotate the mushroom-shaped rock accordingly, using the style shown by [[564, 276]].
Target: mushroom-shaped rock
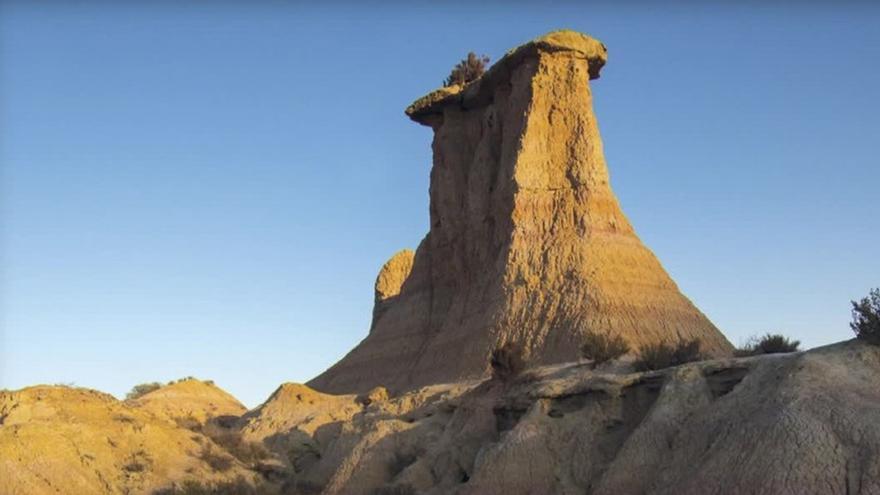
[[479, 92], [527, 243]]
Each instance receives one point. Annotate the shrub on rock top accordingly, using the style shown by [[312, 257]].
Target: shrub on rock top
[[469, 69], [866, 318], [664, 355], [142, 389], [768, 344]]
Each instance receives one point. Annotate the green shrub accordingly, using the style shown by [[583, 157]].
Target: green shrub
[[469, 69], [866, 318], [508, 361], [142, 389], [768, 344], [601, 348], [663, 355]]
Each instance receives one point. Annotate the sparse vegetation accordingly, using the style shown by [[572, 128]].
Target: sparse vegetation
[[172, 382], [866, 318], [122, 418], [142, 389], [134, 467], [228, 438], [238, 487], [403, 489], [189, 422], [139, 462], [771, 343], [219, 461], [601, 348], [469, 69], [663, 355], [508, 361], [231, 440]]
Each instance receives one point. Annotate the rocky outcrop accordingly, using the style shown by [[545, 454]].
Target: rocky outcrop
[[527, 241], [802, 423], [79, 441], [390, 280]]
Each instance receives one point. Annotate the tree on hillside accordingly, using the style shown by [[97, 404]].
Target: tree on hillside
[[866, 317], [142, 389]]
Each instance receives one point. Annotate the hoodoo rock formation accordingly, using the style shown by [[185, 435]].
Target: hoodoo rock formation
[[527, 241], [528, 245]]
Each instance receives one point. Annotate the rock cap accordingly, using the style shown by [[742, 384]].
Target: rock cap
[[479, 91]]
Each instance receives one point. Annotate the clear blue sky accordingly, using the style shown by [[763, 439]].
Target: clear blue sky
[[211, 191]]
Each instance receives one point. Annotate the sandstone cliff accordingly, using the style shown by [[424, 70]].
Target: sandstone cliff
[[527, 241]]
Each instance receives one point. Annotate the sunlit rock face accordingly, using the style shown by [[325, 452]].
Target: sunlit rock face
[[527, 242]]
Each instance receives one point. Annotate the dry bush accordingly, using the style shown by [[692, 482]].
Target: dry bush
[[239, 486], [232, 442], [135, 467], [662, 355], [189, 423], [866, 318], [229, 439], [469, 69], [404, 489], [768, 344], [601, 348], [219, 461], [508, 361], [142, 389], [138, 462]]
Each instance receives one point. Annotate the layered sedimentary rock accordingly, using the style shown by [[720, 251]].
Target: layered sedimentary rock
[[527, 241], [799, 423]]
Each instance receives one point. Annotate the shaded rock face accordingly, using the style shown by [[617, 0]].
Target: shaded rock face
[[527, 241], [799, 423]]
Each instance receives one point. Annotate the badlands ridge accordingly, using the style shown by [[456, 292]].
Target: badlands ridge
[[527, 246]]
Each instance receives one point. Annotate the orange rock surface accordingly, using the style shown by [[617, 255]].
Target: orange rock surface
[[527, 241]]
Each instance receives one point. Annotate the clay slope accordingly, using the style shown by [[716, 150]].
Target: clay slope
[[190, 399], [527, 241], [802, 423], [78, 441]]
